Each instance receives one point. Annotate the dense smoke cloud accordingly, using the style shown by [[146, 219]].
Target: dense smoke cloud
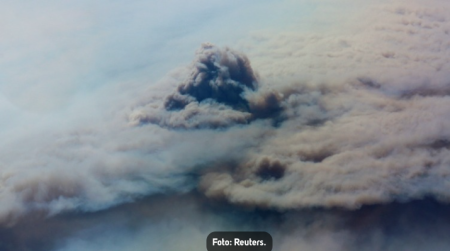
[[211, 96], [319, 136], [328, 145], [218, 92]]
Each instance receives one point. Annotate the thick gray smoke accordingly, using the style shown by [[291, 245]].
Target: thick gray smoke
[[326, 145], [216, 93], [331, 146], [345, 146], [219, 75], [328, 141], [337, 146]]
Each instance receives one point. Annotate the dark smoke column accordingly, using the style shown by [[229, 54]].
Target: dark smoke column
[[219, 75]]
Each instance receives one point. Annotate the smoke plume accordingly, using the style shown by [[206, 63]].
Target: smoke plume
[[328, 138]]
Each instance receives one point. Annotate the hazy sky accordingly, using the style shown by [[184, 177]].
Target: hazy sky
[[125, 122]]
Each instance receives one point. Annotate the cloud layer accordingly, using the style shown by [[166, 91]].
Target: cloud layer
[[341, 121]]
